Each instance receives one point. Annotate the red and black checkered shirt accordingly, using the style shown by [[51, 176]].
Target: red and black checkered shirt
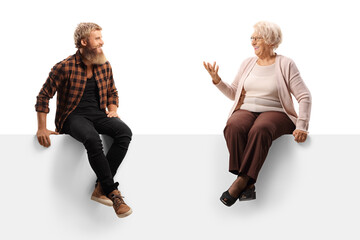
[[68, 79]]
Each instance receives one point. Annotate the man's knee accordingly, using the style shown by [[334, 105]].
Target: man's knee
[[128, 132], [123, 132], [92, 142]]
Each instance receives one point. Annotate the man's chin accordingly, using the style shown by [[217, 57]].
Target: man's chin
[[99, 59], [95, 58]]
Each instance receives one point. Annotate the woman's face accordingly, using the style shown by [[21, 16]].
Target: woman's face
[[260, 47]]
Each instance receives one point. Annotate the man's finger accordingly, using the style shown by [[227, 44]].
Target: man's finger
[[40, 141], [48, 142], [43, 141]]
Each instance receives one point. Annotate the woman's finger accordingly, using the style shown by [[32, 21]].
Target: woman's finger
[[209, 66], [205, 65], [296, 136], [214, 65]]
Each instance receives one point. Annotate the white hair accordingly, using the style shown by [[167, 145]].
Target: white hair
[[270, 32]]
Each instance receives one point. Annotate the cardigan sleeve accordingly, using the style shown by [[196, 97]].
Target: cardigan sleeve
[[229, 90], [302, 95]]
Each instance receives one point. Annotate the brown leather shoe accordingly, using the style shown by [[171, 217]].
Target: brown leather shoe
[[120, 207], [99, 196]]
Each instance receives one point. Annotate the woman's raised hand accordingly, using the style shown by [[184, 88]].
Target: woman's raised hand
[[213, 71]]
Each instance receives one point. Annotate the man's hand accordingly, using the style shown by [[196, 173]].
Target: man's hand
[[111, 114], [112, 111], [43, 136], [300, 136]]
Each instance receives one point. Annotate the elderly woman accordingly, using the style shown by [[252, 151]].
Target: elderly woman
[[263, 109]]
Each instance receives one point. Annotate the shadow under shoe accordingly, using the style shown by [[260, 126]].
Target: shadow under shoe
[[99, 196], [120, 207]]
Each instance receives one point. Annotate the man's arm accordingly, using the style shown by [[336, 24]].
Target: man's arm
[[112, 95], [43, 134], [42, 104]]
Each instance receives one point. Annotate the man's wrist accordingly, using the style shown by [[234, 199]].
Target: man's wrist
[[112, 107]]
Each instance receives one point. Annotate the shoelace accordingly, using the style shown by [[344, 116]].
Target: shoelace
[[117, 200]]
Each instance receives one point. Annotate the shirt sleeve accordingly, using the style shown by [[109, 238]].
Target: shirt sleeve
[[49, 89], [112, 93]]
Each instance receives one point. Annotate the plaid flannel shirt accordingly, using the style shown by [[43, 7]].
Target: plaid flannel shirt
[[68, 79]]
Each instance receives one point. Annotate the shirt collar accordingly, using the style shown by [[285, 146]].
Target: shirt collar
[[78, 57]]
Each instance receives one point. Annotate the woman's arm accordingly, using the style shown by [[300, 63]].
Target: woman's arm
[[227, 89], [303, 97]]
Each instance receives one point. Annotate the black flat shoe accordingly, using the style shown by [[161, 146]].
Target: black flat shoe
[[227, 199], [248, 194]]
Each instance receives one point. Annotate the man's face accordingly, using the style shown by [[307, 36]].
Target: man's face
[[92, 50], [95, 42]]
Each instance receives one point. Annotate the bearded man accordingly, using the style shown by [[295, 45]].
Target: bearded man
[[87, 102]]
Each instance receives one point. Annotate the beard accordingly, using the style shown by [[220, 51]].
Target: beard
[[93, 56]]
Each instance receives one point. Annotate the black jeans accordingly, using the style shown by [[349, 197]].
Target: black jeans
[[86, 127]]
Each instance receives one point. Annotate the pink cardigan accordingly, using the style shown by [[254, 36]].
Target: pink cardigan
[[288, 81]]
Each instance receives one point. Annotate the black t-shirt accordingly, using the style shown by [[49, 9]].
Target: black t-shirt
[[90, 98]]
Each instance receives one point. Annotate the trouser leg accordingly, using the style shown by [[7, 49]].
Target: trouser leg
[[121, 134], [236, 136], [267, 127], [84, 131]]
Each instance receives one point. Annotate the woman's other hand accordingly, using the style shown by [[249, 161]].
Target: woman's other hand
[[300, 136], [213, 71]]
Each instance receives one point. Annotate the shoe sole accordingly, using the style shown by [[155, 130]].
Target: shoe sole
[[102, 201], [125, 214], [249, 197]]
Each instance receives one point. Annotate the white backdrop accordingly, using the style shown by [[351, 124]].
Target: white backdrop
[[156, 49]]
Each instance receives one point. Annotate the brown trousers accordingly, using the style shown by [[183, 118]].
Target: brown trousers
[[249, 136]]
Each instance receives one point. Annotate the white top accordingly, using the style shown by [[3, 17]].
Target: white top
[[261, 90], [289, 83]]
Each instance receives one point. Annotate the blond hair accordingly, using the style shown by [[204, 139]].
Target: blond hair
[[270, 32], [83, 31]]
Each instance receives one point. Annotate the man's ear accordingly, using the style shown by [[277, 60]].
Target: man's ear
[[83, 42]]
